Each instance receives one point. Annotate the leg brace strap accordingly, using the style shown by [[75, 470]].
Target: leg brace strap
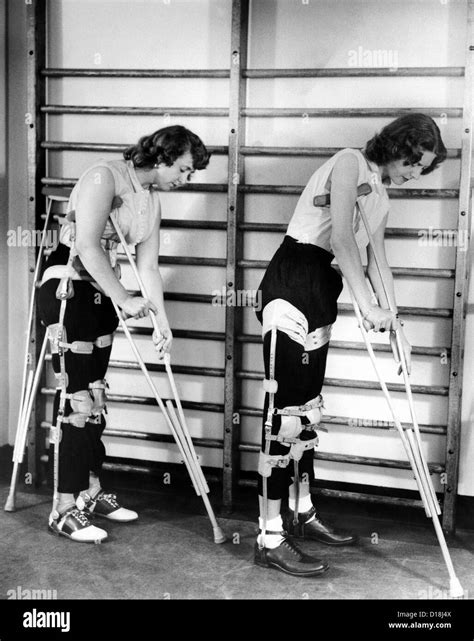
[[318, 338], [287, 318], [58, 337], [295, 442], [291, 419], [309, 409], [56, 433], [266, 462], [104, 341]]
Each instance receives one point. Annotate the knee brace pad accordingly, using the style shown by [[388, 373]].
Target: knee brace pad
[[297, 449], [296, 419], [290, 427], [81, 405], [266, 462], [311, 411], [61, 379]]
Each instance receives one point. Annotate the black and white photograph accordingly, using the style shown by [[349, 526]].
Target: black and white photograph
[[237, 320]]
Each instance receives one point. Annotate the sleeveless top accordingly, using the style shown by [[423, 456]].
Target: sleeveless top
[[312, 224], [135, 209], [136, 215]]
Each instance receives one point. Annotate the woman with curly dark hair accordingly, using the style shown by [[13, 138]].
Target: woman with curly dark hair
[[79, 285], [299, 293]]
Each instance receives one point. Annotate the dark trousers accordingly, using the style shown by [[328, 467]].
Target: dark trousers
[[300, 377], [89, 314], [302, 275]]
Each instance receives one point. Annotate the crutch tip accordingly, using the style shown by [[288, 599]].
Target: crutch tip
[[455, 589], [219, 536], [10, 505]]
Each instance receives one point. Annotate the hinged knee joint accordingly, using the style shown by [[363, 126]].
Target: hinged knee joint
[[99, 398], [81, 405], [266, 462]]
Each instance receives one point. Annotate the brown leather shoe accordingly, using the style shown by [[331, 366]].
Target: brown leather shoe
[[317, 529], [288, 558]]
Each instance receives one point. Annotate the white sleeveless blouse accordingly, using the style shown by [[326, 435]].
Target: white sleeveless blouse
[[137, 214], [313, 224]]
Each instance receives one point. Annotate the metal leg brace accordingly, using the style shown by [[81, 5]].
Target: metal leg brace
[[270, 386], [56, 344], [289, 434], [175, 421]]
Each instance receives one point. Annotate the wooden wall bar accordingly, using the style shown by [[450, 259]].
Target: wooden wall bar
[[232, 371], [234, 279], [34, 121], [461, 284]]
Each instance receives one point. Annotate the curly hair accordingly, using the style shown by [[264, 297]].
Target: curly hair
[[166, 145], [407, 137]]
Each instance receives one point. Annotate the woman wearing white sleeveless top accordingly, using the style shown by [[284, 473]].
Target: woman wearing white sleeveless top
[[130, 188], [299, 298]]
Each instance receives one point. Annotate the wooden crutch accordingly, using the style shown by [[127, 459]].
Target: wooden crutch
[[177, 425], [30, 379], [412, 440]]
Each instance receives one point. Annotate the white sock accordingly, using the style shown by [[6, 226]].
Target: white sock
[[304, 502], [274, 525], [94, 484], [65, 501]]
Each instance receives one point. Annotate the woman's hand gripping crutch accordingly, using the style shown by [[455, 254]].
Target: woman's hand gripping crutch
[[177, 425], [30, 379], [411, 439]]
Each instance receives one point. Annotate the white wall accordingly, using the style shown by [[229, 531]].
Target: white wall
[[283, 33], [330, 34]]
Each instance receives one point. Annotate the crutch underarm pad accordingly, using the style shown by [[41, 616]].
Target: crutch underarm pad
[[325, 199]]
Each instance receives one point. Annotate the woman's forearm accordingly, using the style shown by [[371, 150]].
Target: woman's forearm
[[151, 279], [348, 259], [97, 264], [379, 289]]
